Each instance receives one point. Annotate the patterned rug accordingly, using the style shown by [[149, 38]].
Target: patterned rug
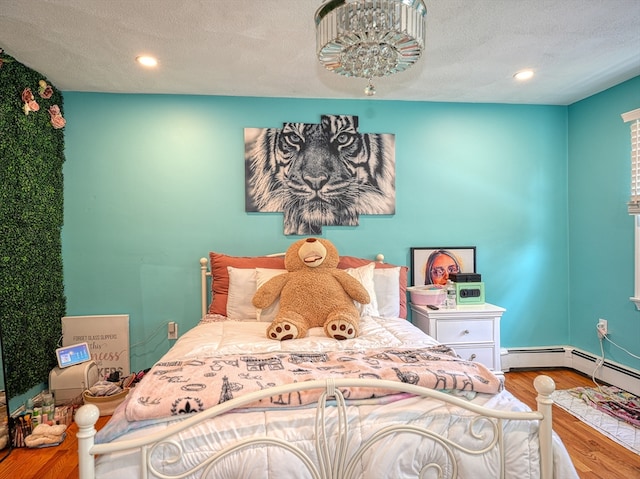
[[612, 411]]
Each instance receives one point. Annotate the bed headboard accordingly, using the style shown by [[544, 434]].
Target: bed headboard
[[204, 295]]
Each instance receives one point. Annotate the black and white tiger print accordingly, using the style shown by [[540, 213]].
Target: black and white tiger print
[[318, 175]]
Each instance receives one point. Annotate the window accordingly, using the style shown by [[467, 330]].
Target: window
[[634, 117], [634, 202]]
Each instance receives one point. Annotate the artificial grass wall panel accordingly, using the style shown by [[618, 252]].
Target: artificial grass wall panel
[[32, 300]]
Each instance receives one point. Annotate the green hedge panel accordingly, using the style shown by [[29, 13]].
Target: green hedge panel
[[32, 300]]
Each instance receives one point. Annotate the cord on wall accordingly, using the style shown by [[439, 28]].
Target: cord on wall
[[162, 327], [600, 361], [606, 336]]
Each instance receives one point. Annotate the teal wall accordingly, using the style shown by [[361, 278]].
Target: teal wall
[[601, 241], [153, 182]]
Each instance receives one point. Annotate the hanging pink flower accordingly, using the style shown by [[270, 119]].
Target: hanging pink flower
[[57, 121], [27, 95], [45, 91], [30, 103]]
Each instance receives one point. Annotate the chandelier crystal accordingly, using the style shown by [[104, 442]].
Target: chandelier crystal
[[370, 38]]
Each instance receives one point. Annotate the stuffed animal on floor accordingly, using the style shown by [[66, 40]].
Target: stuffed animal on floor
[[313, 293], [46, 435]]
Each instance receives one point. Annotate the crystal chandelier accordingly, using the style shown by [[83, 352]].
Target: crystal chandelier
[[370, 38]]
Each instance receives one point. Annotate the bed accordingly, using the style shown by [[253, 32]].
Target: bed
[[226, 402]]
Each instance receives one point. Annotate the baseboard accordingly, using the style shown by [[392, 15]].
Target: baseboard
[[611, 372], [547, 357]]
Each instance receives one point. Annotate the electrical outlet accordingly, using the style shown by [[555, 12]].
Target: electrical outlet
[[172, 330], [603, 328]]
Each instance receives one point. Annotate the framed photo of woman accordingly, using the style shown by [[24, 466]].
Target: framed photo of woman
[[433, 265]]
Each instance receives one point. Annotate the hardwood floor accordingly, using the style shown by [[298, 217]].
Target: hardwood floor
[[58, 462], [594, 455]]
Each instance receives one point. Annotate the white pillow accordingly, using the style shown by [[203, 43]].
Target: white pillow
[[262, 276], [386, 283], [365, 275], [242, 287]]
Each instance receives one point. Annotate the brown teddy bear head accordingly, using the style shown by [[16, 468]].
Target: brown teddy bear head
[[311, 253]]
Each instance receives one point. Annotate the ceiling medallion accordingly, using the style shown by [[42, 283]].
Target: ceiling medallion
[[370, 38]]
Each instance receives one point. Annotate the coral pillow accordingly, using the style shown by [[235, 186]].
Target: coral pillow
[[353, 262], [220, 275]]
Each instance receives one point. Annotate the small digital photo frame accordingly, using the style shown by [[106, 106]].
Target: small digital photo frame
[[72, 355]]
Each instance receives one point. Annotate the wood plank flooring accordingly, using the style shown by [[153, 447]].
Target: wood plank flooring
[[594, 455], [59, 462]]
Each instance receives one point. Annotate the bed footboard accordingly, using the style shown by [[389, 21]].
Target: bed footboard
[[332, 459]]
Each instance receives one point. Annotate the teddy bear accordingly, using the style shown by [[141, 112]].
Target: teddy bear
[[313, 293]]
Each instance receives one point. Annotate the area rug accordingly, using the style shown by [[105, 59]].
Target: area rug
[[609, 410]]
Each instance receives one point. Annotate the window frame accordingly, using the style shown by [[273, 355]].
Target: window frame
[[633, 117], [636, 297]]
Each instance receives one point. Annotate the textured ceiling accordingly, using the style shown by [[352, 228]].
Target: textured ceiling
[[267, 48]]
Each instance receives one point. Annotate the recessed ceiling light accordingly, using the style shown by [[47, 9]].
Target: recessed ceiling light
[[523, 75], [147, 61]]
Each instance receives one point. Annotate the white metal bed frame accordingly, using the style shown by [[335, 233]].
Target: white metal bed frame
[[333, 459]]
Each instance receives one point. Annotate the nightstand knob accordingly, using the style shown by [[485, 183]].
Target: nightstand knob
[[472, 358], [466, 331]]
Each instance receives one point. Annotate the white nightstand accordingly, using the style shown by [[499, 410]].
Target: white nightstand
[[472, 330]]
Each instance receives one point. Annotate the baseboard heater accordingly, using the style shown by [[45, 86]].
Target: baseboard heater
[[566, 356], [607, 364], [558, 349]]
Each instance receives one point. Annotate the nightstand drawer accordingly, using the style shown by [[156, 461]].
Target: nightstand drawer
[[450, 332], [484, 355], [472, 330]]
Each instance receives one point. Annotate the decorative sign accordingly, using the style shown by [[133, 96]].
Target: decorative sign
[[107, 337]]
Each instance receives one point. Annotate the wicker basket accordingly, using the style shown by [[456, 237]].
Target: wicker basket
[[106, 404]]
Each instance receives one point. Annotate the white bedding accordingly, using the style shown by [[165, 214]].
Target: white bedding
[[234, 337], [401, 456]]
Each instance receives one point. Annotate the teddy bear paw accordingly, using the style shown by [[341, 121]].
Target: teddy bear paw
[[340, 329], [282, 331]]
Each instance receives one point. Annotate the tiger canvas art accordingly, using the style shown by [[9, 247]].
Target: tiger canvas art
[[319, 174]]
